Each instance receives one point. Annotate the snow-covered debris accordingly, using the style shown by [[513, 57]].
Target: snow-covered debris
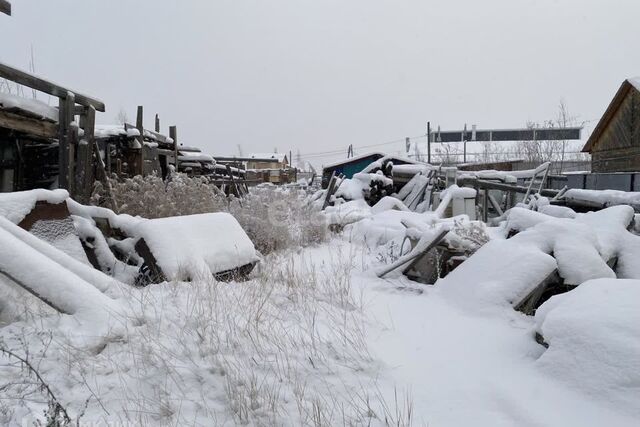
[[387, 203], [97, 279], [55, 283], [557, 211], [31, 107], [101, 247], [501, 273], [359, 185], [604, 198], [593, 334], [15, 206], [348, 212], [127, 223], [508, 270], [197, 246], [451, 193]]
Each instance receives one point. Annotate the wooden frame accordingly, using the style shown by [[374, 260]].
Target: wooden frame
[[42, 85]]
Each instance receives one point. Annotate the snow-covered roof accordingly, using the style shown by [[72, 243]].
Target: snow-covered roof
[[31, 107], [355, 158], [276, 156]]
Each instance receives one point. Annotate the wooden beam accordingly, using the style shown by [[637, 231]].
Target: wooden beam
[[28, 125], [5, 7], [38, 83]]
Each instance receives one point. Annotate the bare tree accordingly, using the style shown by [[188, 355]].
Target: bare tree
[[122, 117]]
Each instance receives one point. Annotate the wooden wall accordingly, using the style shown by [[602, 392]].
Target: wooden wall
[[618, 148]]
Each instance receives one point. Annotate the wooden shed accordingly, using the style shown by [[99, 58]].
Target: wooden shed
[[615, 142]]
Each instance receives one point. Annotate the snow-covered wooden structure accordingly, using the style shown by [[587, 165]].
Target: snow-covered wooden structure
[[614, 144], [46, 146]]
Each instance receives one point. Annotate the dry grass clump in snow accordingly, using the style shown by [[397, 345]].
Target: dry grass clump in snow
[[277, 219], [285, 348], [152, 197]]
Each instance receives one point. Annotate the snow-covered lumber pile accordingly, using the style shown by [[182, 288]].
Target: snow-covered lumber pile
[[510, 271]]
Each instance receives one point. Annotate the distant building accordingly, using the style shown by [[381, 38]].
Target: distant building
[[615, 142], [267, 161], [270, 167]]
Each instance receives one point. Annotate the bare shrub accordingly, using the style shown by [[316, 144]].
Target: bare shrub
[[274, 218], [151, 197], [277, 219]]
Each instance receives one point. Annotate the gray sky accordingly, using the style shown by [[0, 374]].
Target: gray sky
[[317, 75]]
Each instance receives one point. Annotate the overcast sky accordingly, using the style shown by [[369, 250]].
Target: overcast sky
[[317, 75]]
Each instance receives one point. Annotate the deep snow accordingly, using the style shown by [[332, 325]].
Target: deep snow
[[214, 354]]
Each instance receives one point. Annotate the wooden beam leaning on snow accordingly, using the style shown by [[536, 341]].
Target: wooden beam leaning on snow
[[97, 279], [427, 242], [49, 274]]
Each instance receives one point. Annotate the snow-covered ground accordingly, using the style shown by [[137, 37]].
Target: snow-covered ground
[[315, 338]]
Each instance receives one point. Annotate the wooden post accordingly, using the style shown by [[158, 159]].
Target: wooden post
[[157, 123], [429, 142], [140, 127], [173, 134], [72, 137], [87, 178], [485, 205], [65, 117], [83, 167]]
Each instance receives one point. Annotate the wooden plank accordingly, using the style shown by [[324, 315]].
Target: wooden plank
[[330, 190], [411, 258], [38, 83], [492, 185], [28, 125], [495, 204], [5, 7]]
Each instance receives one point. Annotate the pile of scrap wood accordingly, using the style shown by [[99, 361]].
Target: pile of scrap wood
[[94, 245]]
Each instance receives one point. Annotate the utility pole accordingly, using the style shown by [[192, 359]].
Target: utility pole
[[429, 142]]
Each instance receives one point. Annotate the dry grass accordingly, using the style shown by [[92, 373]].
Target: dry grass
[[285, 348]]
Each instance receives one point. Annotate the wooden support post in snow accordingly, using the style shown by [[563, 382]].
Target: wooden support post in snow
[[157, 123], [65, 117], [485, 205], [173, 134], [140, 127], [72, 138]]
